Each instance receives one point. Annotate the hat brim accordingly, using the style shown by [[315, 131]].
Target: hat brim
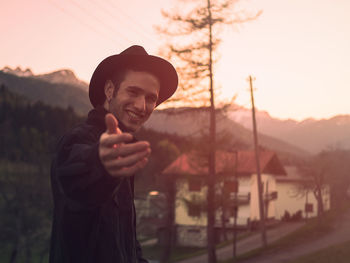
[[159, 67]]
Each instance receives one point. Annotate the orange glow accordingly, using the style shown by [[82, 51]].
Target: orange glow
[[297, 50]]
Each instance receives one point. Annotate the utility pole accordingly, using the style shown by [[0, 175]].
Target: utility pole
[[235, 210], [212, 155], [260, 189]]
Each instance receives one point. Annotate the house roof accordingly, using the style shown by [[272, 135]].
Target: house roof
[[193, 164], [293, 175]]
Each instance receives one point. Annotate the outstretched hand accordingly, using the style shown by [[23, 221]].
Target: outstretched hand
[[118, 156]]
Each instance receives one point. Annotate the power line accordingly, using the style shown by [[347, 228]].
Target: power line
[[138, 31], [127, 15], [106, 36], [84, 10]]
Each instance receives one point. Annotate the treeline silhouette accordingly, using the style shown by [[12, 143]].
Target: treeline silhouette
[[29, 133]]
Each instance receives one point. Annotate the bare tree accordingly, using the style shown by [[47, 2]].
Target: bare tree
[[327, 171], [337, 175], [196, 29], [315, 175]]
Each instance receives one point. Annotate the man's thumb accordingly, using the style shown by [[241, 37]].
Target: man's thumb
[[111, 123]]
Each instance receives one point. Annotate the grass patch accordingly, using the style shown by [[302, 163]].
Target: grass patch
[[155, 252], [144, 239], [180, 253], [5, 254], [312, 230], [334, 254]]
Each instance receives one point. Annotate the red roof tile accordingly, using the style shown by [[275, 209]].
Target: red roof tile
[[192, 164]]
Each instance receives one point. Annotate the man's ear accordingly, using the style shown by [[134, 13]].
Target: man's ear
[[109, 89]]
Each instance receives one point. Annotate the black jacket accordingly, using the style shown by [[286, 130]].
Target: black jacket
[[94, 214]]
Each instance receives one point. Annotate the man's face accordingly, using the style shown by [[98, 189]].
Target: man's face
[[135, 99]]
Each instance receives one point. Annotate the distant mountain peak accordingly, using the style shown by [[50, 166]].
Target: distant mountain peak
[[307, 121], [64, 72], [63, 76], [18, 71], [341, 120], [68, 93]]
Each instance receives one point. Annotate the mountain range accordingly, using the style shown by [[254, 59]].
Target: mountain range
[[60, 88], [63, 76], [194, 122], [299, 138], [310, 134]]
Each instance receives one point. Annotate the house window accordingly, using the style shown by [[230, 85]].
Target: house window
[[194, 185], [194, 210], [309, 208], [231, 186], [232, 211]]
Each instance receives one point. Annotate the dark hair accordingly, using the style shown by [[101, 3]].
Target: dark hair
[[118, 78]]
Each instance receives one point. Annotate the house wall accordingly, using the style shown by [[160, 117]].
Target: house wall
[[182, 217], [242, 216], [191, 231], [181, 214], [289, 200], [269, 184], [244, 188]]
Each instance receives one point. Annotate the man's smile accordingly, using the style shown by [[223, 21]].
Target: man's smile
[[134, 116], [135, 99]]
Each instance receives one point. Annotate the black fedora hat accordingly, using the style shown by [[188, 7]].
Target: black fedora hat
[[129, 58]]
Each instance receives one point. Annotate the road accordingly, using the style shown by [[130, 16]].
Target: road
[[339, 234], [249, 243]]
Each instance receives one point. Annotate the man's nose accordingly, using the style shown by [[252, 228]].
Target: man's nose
[[140, 103]]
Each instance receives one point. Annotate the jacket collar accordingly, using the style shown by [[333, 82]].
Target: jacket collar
[[96, 117]]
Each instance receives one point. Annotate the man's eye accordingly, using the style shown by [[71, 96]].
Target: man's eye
[[152, 99], [132, 92]]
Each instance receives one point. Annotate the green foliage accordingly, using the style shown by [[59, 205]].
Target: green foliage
[[178, 253], [28, 135], [25, 205], [29, 132]]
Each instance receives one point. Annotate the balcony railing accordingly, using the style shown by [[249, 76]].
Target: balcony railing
[[240, 198]]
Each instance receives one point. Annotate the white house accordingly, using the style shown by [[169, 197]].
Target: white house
[[291, 199], [279, 192]]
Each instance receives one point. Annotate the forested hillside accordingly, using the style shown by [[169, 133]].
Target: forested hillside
[[28, 135]]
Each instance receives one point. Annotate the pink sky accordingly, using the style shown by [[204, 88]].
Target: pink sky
[[298, 50]]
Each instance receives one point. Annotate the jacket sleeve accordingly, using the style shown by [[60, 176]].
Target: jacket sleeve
[[80, 173], [140, 258]]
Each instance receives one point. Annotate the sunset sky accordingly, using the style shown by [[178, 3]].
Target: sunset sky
[[298, 50]]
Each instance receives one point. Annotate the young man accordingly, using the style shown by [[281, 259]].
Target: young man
[[92, 173]]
